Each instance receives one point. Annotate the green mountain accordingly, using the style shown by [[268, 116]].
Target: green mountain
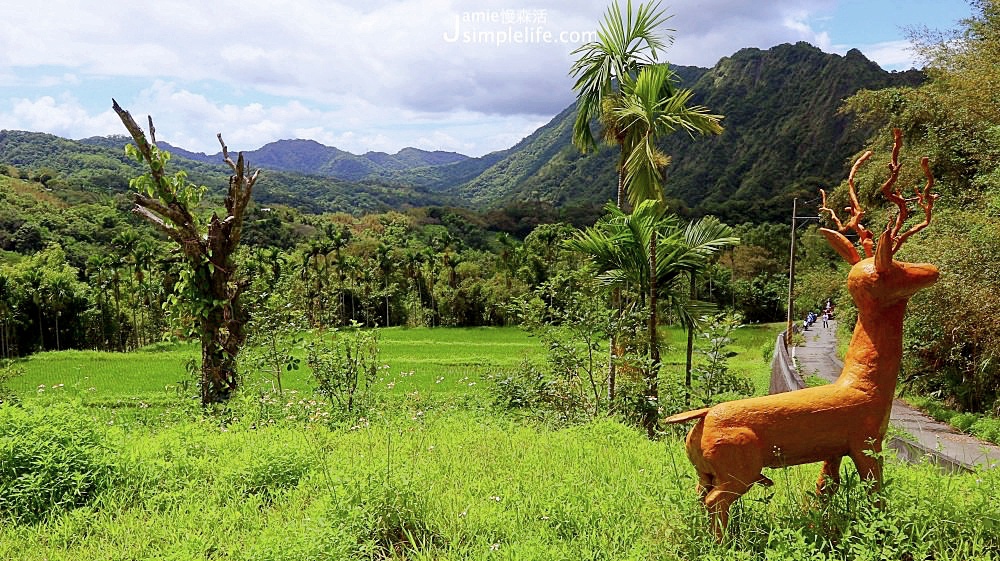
[[94, 167], [784, 138]]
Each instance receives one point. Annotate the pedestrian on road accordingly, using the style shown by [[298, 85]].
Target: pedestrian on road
[[826, 318]]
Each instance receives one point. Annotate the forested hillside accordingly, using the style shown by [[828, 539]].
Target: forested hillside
[[784, 137]]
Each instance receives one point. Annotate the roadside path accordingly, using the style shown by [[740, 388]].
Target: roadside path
[[940, 442]]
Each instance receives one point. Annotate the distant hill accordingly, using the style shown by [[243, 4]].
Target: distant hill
[[98, 165], [312, 158]]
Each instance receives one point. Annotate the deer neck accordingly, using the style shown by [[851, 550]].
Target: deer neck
[[873, 358]]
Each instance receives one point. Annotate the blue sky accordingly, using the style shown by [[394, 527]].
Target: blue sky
[[469, 77]]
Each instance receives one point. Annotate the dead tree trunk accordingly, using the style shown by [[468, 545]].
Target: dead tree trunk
[[210, 289]]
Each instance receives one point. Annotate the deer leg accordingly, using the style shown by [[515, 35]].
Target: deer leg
[[866, 460], [719, 500], [829, 477]]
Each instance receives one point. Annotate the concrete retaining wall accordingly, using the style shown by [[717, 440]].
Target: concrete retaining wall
[[784, 377]]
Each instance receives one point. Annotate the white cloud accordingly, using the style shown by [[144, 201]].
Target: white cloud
[[890, 55], [378, 75], [63, 117]]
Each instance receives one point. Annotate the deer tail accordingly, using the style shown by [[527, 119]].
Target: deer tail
[[681, 417]]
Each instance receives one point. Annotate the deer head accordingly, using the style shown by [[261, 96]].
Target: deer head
[[879, 280]]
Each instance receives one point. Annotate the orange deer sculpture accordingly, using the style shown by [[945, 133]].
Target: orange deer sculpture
[[732, 442]]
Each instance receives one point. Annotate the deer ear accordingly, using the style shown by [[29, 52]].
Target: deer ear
[[883, 252], [841, 245]]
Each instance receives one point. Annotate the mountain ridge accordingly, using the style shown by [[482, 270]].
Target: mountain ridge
[[313, 158]]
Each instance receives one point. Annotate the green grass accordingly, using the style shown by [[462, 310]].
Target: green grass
[[423, 478], [445, 361]]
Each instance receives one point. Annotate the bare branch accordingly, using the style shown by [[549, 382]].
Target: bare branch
[[135, 130], [152, 130], [180, 217], [158, 223], [225, 153]]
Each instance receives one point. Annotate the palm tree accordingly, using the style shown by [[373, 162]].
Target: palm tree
[[619, 84], [34, 280], [625, 43], [59, 294], [651, 250], [6, 312], [647, 108], [708, 237]]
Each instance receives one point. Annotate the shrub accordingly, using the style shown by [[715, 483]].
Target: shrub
[[51, 460], [532, 389], [714, 381], [987, 428], [345, 367], [963, 421]]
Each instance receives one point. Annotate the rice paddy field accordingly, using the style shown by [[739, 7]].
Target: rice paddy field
[[110, 457]]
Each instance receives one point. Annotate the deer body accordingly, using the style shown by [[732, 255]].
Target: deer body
[[732, 442]]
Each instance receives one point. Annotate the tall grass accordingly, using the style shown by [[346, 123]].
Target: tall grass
[[427, 478], [462, 485]]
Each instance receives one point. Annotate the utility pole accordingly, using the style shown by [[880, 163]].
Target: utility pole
[[791, 270], [791, 279]]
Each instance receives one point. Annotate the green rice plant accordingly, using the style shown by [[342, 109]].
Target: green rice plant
[[8, 372], [51, 459]]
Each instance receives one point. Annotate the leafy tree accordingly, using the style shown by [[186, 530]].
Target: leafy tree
[[208, 286], [954, 119]]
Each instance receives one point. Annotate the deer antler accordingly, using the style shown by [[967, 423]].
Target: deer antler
[[855, 210], [924, 198]]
